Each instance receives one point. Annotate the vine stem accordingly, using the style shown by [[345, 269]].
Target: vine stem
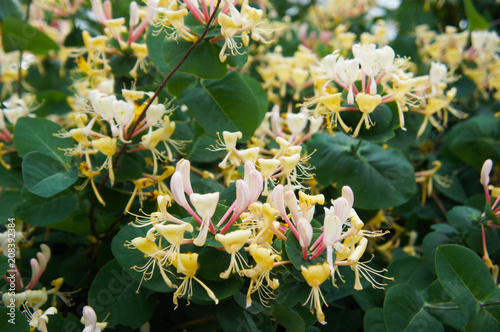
[[134, 126]]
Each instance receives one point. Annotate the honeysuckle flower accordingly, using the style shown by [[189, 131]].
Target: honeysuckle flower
[[39, 319], [233, 242], [363, 269], [205, 205], [367, 104], [89, 319], [264, 259], [107, 146], [315, 275], [156, 257], [228, 142], [347, 71], [267, 168], [172, 21], [189, 267]]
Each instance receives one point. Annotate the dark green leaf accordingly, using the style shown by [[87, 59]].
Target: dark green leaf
[[404, 310], [442, 307], [294, 252], [202, 62], [411, 271], [465, 278], [286, 317], [39, 211], [432, 240], [45, 176], [385, 121], [19, 35], [128, 258], [374, 320], [37, 134], [113, 293], [476, 140], [236, 102], [4, 265], [11, 8], [12, 320], [8, 199], [380, 178]]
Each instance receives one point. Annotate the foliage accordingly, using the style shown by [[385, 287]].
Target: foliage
[[259, 166]]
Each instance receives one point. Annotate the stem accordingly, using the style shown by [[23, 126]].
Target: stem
[[132, 129], [355, 149]]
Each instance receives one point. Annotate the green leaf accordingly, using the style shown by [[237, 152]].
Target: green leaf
[[59, 323], [442, 307], [466, 220], [19, 35], [129, 258], [294, 251], [113, 293], [380, 178], [154, 42], [45, 176], [373, 321], [8, 199], [411, 271], [404, 310], [236, 102], [199, 152], [10, 179], [11, 8], [286, 317], [432, 240], [37, 134], [39, 211], [466, 279], [12, 320], [4, 265], [476, 140], [385, 120], [232, 317], [202, 62], [476, 21]]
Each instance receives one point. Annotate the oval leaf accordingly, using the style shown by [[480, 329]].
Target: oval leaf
[[380, 178], [19, 35], [404, 311], [45, 176], [113, 293], [465, 277], [236, 102], [203, 61], [37, 134]]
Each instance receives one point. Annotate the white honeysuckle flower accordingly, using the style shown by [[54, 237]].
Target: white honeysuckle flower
[[348, 71], [296, 122], [205, 205]]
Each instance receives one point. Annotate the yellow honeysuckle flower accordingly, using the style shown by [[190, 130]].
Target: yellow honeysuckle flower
[[315, 275]]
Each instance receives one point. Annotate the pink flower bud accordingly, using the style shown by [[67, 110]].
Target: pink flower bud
[[305, 232]]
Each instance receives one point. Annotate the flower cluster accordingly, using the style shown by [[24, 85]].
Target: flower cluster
[[249, 225]]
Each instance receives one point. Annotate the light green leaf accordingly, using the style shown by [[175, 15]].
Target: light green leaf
[[466, 279], [19, 35], [113, 293], [236, 102], [45, 176], [476, 21], [37, 134], [404, 310], [39, 211], [380, 178]]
